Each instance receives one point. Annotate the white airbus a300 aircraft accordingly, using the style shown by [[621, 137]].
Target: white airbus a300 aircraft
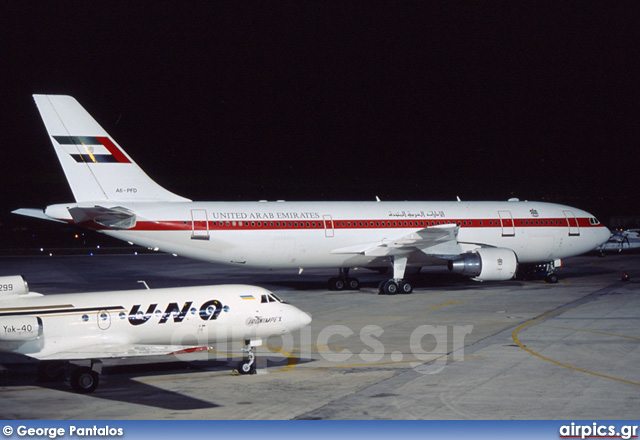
[[484, 240], [91, 327]]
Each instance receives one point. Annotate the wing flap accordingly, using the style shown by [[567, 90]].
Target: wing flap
[[106, 351], [441, 236]]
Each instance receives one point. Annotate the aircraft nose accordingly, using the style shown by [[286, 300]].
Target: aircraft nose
[[604, 235], [301, 318]]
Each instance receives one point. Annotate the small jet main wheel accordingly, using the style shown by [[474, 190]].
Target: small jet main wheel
[[551, 278], [84, 380], [51, 371]]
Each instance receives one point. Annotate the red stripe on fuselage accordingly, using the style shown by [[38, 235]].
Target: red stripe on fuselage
[[352, 224]]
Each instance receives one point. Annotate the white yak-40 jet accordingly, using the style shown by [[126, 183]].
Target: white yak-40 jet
[[484, 240], [67, 331]]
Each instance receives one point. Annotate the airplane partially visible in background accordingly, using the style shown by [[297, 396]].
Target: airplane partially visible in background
[[74, 333], [622, 240], [482, 240]]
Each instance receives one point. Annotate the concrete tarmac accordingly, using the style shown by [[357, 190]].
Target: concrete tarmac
[[454, 349]]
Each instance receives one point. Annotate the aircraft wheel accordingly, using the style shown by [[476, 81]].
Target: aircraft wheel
[[389, 287], [51, 371], [353, 284], [552, 278], [336, 283], [246, 367], [405, 287], [84, 380]]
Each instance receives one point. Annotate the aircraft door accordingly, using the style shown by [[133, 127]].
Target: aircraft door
[[572, 221], [328, 225], [104, 320], [199, 224], [508, 225]]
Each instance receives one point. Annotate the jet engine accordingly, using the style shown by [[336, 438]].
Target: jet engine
[[13, 285], [20, 328], [486, 264]]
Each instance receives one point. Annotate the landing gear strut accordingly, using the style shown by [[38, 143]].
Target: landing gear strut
[[546, 271], [343, 281], [248, 365], [397, 284]]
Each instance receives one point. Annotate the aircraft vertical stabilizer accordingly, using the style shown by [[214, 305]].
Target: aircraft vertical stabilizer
[[95, 166]]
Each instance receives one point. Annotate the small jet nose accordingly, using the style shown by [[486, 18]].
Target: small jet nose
[[300, 318]]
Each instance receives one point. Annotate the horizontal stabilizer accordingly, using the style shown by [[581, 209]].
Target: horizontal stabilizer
[[35, 213]]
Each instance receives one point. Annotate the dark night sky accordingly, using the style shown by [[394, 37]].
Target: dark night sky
[[335, 100]]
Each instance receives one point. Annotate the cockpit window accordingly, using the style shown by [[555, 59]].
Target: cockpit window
[[594, 221], [270, 298]]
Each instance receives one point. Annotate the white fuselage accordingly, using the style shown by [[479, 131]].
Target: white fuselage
[[119, 324], [307, 234]]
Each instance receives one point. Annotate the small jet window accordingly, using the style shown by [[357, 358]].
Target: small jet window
[[85, 318], [275, 298], [122, 315], [103, 316], [263, 299], [193, 311]]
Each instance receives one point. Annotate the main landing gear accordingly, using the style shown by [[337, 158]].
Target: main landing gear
[[343, 281], [397, 284], [83, 379], [248, 365]]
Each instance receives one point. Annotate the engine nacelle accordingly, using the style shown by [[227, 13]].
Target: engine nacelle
[[486, 264], [13, 285], [20, 328]]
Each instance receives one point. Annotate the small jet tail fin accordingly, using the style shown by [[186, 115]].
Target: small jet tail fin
[[95, 166]]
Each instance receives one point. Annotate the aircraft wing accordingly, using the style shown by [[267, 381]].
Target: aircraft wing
[[437, 240], [114, 218], [106, 351]]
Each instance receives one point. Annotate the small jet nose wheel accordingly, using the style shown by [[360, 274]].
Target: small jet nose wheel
[[248, 366]]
